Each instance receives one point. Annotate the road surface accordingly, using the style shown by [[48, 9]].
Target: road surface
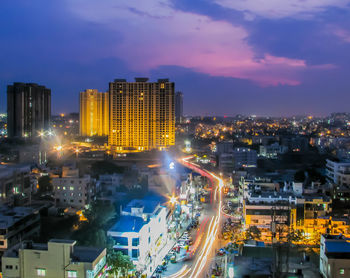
[[206, 241]]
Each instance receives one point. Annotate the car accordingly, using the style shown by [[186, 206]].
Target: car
[[159, 269], [221, 252]]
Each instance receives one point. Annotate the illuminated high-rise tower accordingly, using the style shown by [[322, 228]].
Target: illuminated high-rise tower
[[94, 113], [142, 115], [28, 110], [179, 106]]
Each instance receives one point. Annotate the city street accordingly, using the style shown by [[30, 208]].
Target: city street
[[205, 237]]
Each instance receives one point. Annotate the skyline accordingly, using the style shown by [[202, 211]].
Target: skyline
[[270, 60]]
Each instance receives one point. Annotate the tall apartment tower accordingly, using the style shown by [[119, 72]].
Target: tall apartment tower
[[179, 107], [28, 109], [142, 115], [94, 113]]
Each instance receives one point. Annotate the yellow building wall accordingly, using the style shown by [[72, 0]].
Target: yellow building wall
[[94, 113], [142, 116]]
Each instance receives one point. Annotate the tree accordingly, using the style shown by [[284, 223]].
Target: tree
[[253, 232], [118, 264], [105, 167], [299, 176]]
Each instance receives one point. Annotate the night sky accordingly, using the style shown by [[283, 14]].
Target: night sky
[[264, 57]]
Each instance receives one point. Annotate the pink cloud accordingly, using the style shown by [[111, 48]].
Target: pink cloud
[[281, 8], [342, 34], [153, 34]]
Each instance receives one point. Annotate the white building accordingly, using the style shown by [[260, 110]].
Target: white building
[[72, 190], [141, 231], [334, 256], [338, 172]]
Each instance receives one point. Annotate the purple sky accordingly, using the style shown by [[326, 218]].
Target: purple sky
[[264, 57]]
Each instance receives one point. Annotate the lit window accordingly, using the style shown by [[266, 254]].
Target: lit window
[[342, 271], [41, 272], [64, 188], [72, 274], [71, 188]]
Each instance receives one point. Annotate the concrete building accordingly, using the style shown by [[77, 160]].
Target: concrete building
[[94, 113], [14, 183], [338, 172], [57, 258], [141, 230], [28, 110], [179, 97], [272, 151], [16, 224], [109, 182], [244, 158], [224, 147], [334, 256], [71, 190], [142, 115]]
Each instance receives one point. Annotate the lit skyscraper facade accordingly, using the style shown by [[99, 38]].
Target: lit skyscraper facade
[[179, 106], [142, 115], [94, 113], [28, 110]]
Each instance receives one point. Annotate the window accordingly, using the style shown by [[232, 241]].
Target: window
[[342, 271], [72, 274], [123, 251], [9, 266], [121, 241], [71, 188], [135, 241], [41, 272]]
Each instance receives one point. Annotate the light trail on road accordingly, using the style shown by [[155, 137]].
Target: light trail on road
[[205, 254]]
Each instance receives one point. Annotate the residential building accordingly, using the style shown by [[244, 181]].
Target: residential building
[[179, 107], [94, 113], [14, 183], [16, 224], [244, 158], [109, 182], [334, 256], [272, 151], [142, 115], [72, 190], [57, 258], [28, 110], [224, 147], [141, 230], [338, 172]]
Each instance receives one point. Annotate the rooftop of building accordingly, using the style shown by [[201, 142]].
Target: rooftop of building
[[9, 169], [141, 80], [149, 203], [128, 224], [86, 254], [79, 254], [9, 216]]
